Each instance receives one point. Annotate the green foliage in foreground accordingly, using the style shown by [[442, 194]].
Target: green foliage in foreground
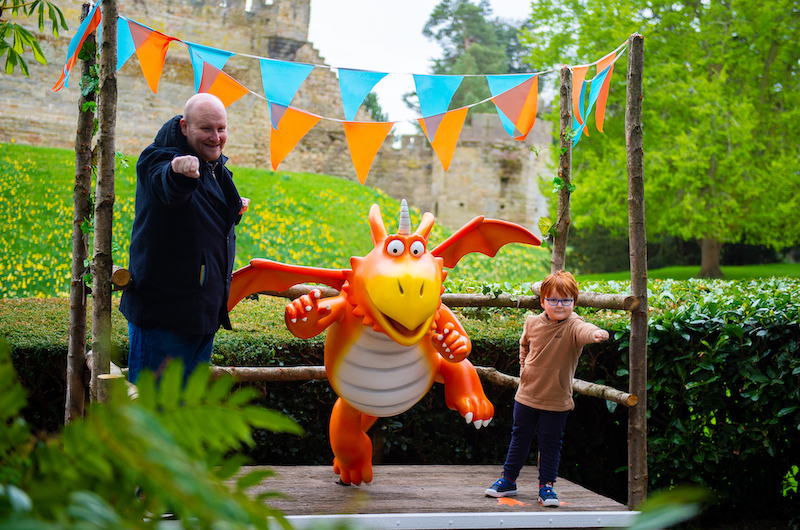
[[297, 218], [174, 443]]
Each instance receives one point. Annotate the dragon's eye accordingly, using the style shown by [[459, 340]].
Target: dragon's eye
[[395, 247], [417, 249]]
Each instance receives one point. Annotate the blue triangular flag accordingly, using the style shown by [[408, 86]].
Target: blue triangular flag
[[125, 45], [213, 56], [508, 125], [354, 86], [503, 83], [281, 80], [597, 85], [434, 93]]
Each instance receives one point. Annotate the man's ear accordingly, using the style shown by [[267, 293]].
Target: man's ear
[[183, 126]]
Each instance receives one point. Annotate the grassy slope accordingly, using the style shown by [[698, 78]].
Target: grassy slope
[[299, 218]]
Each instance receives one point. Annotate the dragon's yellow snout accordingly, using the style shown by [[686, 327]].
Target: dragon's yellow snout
[[407, 300]]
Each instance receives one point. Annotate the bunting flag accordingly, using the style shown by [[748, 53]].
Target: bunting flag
[[86, 28], [294, 125], [354, 86], [200, 55], [125, 45], [600, 113], [578, 77], [435, 93], [281, 80], [216, 82], [150, 47], [449, 125], [516, 106], [514, 95], [596, 87], [364, 140], [581, 112]]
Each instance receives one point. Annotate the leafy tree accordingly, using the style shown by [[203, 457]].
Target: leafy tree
[[172, 443], [20, 38], [720, 117], [472, 43], [374, 108]]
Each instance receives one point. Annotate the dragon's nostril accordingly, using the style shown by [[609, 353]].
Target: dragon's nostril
[[400, 286], [421, 289]]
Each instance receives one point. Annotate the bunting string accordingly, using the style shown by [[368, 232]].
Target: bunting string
[[515, 96]]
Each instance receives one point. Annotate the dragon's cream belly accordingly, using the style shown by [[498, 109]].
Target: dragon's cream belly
[[381, 378]]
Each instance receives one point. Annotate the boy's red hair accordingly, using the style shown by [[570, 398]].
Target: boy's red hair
[[561, 281]]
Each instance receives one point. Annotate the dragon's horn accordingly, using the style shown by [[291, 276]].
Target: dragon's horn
[[405, 220]]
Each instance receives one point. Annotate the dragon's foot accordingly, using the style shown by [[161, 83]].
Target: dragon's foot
[[353, 474], [476, 410]]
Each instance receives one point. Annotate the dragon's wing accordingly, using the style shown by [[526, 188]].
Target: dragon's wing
[[267, 275], [482, 235]]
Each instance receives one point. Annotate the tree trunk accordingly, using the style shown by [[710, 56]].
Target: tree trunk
[[104, 199], [76, 351], [637, 349], [710, 250], [563, 218]]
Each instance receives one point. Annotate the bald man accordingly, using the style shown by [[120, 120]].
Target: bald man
[[183, 243]]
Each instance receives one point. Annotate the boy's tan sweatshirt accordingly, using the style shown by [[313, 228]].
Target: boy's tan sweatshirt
[[548, 356]]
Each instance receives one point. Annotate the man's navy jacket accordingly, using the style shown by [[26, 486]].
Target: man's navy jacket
[[182, 244]]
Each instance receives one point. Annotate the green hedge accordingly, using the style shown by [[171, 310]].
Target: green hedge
[[723, 398]]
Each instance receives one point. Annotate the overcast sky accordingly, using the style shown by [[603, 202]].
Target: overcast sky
[[386, 35]]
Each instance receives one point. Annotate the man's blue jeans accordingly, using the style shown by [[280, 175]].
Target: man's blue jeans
[[152, 348], [550, 428]]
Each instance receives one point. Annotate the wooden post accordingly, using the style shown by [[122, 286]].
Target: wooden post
[[76, 351], [559, 257], [637, 416], [104, 199], [106, 384]]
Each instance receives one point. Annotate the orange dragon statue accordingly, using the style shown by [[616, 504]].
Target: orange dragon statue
[[389, 337]]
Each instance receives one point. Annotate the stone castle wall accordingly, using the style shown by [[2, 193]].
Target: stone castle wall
[[491, 174]]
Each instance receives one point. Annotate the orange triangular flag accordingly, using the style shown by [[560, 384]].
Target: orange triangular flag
[[151, 49], [519, 105], [578, 75], [220, 84], [294, 125], [600, 109], [449, 128], [364, 140]]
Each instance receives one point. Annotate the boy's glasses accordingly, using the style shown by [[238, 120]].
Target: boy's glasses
[[563, 301]]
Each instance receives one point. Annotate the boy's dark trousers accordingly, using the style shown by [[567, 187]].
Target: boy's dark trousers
[[550, 428]]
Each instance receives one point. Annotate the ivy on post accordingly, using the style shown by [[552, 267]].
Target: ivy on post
[[562, 184], [104, 198], [81, 215]]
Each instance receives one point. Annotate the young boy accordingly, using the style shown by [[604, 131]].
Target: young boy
[[549, 349]]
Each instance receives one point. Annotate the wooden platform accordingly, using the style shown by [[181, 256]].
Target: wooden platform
[[432, 497]]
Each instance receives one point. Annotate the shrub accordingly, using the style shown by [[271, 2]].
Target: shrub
[[174, 443]]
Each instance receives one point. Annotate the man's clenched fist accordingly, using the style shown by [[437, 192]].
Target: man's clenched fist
[[188, 165]]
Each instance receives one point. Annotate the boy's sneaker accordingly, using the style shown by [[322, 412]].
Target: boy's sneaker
[[502, 488], [548, 497]]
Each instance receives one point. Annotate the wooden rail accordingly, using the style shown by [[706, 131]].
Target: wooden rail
[[252, 374], [585, 299]]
